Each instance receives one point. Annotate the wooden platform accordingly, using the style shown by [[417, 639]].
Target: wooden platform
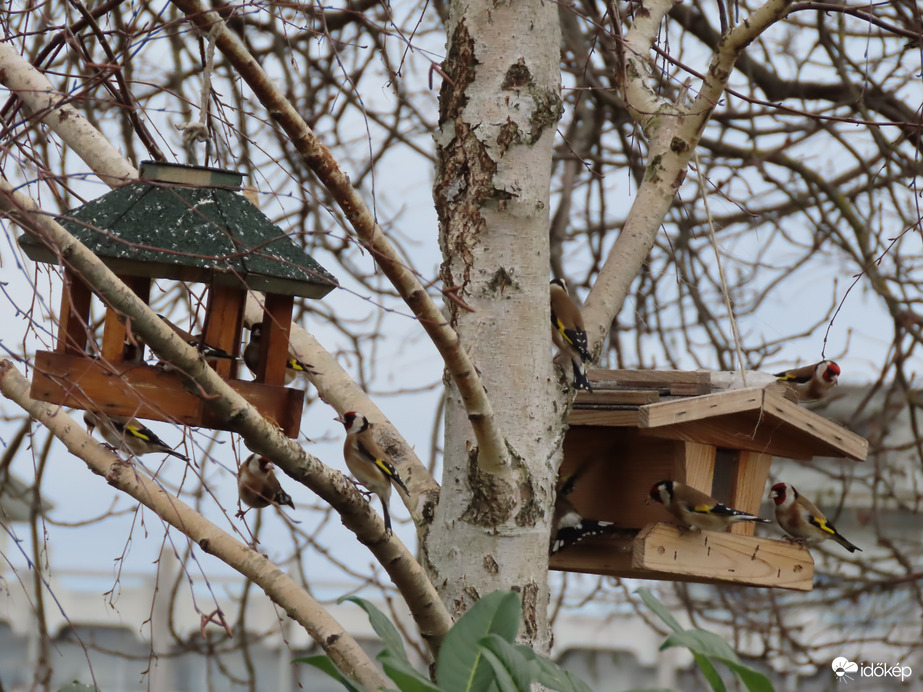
[[663, 551], [145, 391]]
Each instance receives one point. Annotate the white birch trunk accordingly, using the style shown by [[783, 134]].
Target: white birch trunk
[[498, 116]]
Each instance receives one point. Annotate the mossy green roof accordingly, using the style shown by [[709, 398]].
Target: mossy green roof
[[191, 233]]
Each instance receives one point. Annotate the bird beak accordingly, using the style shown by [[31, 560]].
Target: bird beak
[[339, 419]]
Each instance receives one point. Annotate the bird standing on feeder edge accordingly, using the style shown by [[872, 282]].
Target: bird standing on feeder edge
[[258, 486], [811, 382], [569, 333], [293, 366], [128, 434], [801, 519], [368, 462], [696, 509]]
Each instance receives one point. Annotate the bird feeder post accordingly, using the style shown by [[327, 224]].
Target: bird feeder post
[[224, 319], [696, 465], [74, 318], [748, 483], [117, 345], [276, 327]]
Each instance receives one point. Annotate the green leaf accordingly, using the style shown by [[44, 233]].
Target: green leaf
[[517, 667], [390, 637], [408, 679], [701, 642], [77, 687], [659, 609], [753, 680], [708, 670], [460, 667], [502, 677], [323, 662], [550, 674]]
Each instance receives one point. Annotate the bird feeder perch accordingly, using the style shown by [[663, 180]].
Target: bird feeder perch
[[181, 223], [640, 427]]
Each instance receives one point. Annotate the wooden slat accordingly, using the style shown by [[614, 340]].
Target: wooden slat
[[748, 486], [144, 391], [622, 397], [75, 315], [277, 323], [845, 441], [697, 408], [698, 465], [723, 557], [643, 379], [603, 418], [223, 323]]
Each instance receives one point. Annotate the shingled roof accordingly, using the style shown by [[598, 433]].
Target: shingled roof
[[190, 224]]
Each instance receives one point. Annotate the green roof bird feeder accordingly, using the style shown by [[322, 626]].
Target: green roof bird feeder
[[184, 223]]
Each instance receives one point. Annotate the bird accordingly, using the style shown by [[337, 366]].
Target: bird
[[195, 340], [800, 519], [252, 356], [811, 382], [568, 526], [368, 462], [258, 486], [129, 434], [568, 332], [696, 509]]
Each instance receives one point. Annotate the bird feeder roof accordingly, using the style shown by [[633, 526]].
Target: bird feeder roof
[[190, 224], [685, 406]]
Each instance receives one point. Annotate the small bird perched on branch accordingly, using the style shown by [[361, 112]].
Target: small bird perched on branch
[[697, 510], [567, 524], [801, 519], [368, 462], [568, 332], [811, 382], [293, 366], [128, 434], [258, 486]]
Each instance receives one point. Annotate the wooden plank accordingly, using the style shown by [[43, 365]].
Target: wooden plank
[[743, 432], [646, 379], [749, 482], [224, 319], [74, 319], [698, 465], [622, 397], [277, 323], [700, 407], [114, 334], [844, 441], [132, 389], [603, 418], [723, 557]]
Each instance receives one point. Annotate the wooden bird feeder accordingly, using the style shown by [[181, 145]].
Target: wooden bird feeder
[[641, 427], [187, 224]]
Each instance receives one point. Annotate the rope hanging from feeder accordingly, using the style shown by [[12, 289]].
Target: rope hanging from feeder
[[197, 130]]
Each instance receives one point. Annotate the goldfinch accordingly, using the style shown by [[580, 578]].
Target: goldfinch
[[252, 356], [368, 462], [800, 519], [568, 332], [696, 509], [258, 486], [128, 434], [811, 382], [567, 525]]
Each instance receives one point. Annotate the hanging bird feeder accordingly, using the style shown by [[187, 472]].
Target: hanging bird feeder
[[640, 427], [181, 223]]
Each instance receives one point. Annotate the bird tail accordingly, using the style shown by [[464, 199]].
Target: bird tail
[[283, 498], [569, 535], [174, 453], [750, 517], [387, 515], [846, 544], [581, 381]]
